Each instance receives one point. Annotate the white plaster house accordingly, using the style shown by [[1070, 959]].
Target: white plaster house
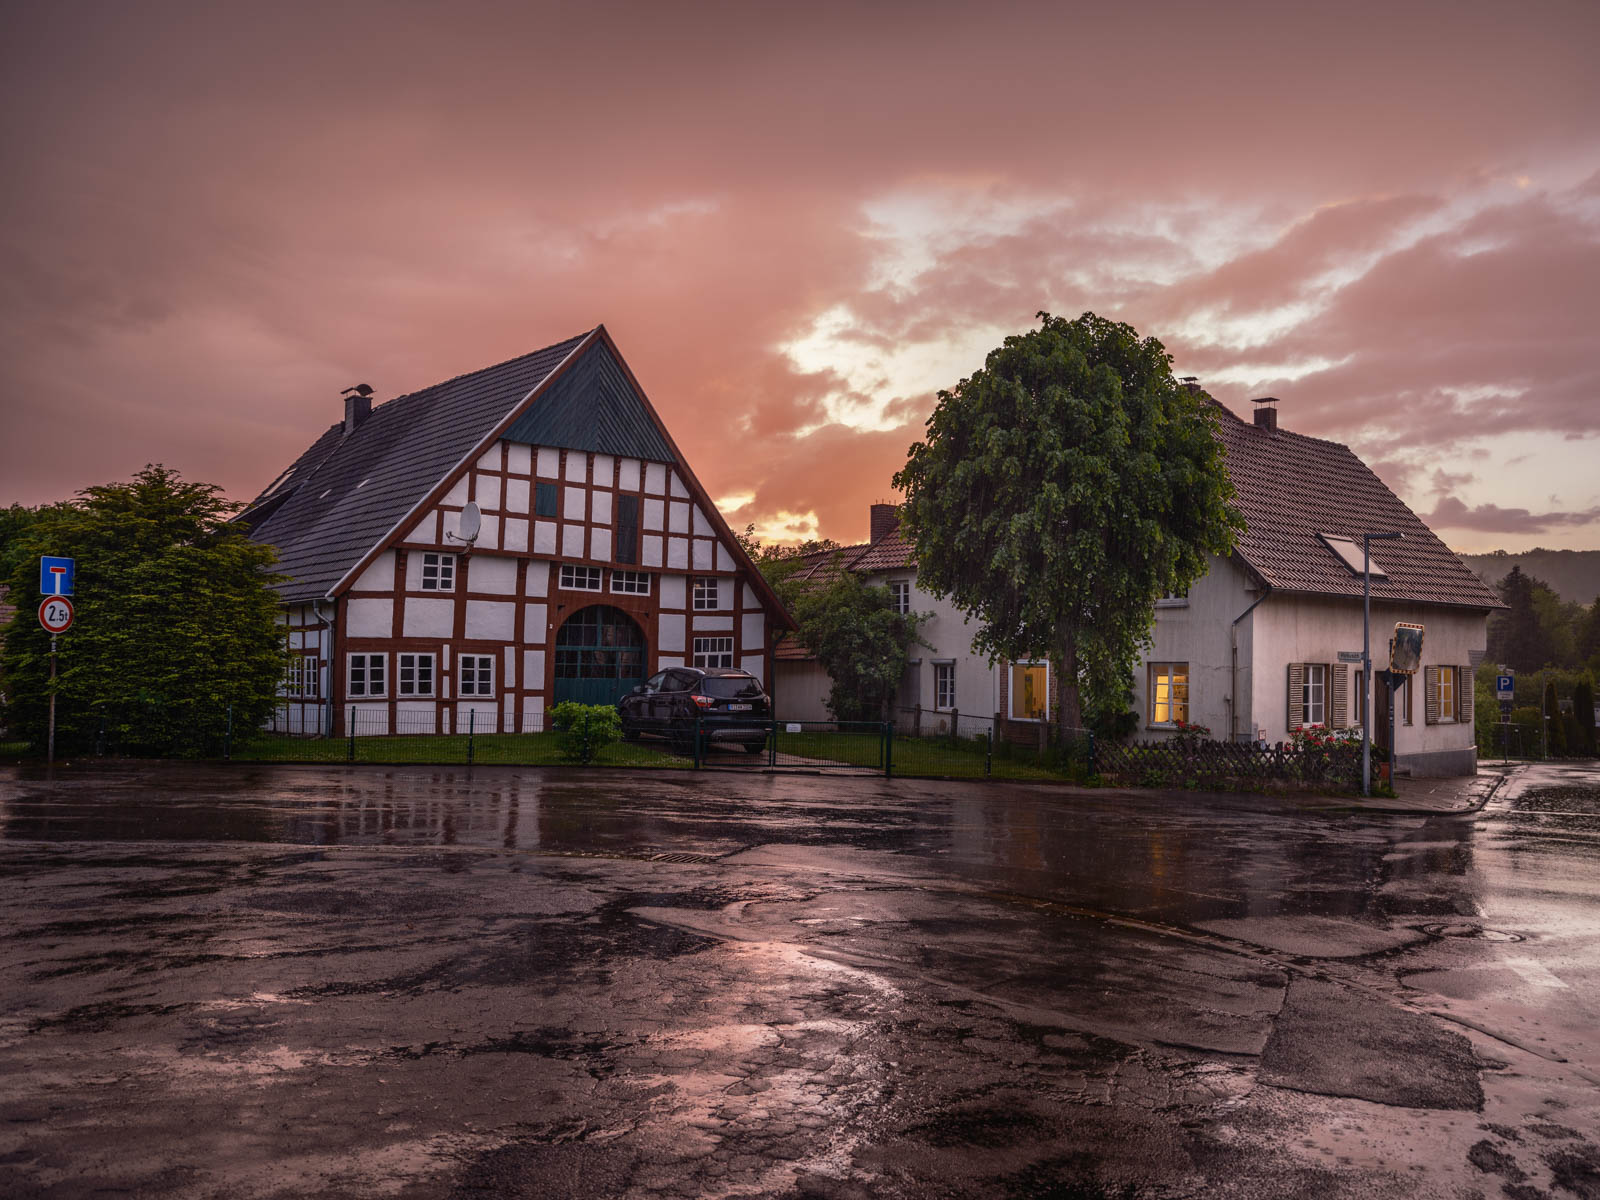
[[946, 683], [1253, 651], [600, 558]]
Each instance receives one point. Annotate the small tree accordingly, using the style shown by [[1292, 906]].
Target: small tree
[[1555, 727], [860, 640], [1583, 711], [1061, 490], [176, 620]]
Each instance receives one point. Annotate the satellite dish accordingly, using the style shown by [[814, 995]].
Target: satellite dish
[[469, 524]]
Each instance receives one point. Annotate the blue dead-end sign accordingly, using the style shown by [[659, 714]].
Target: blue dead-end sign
[[55, 576], [1505, 687]]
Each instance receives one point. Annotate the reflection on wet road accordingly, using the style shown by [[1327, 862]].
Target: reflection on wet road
[[435, 982]]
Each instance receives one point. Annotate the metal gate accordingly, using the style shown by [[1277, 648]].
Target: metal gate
[[600, 656], [843, 747]]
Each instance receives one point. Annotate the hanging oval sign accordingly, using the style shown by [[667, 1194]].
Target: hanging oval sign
[[55, 614]]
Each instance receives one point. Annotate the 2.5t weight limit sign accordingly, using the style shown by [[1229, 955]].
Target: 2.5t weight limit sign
[[55, 614]]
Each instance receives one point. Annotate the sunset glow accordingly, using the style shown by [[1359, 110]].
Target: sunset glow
[[800, 224]]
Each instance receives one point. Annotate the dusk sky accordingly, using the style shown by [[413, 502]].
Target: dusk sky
[[800, 221]]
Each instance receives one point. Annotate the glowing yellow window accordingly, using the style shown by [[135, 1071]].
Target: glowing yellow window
[[1169, 693], [1030, 691]]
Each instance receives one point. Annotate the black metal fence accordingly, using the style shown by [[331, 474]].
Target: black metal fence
[[1217, 766]]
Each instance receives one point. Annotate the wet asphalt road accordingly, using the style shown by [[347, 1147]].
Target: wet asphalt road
[[266, 982]]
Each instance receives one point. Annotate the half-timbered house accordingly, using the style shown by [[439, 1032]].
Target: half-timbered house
[[597, 558]]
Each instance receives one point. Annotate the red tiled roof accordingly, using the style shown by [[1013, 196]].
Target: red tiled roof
[[1292, 487], [892, 552]]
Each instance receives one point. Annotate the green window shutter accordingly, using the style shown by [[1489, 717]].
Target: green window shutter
[[1430, 710], [1295, 711], [1339, 713]]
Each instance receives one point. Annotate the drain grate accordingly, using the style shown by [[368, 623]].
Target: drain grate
[[684, 856]]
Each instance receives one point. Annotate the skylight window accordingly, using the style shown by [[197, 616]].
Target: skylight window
[[1348, 551]]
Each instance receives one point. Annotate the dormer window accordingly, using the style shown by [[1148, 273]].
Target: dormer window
[[438, 572], [1348, 551]]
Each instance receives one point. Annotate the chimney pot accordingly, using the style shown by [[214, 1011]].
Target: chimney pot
[[357, 406], [1266, 414], [883, 519]]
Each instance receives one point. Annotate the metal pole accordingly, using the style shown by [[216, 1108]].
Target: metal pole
[[1366, 664], [50, 751]]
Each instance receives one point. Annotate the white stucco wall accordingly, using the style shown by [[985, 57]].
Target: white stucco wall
[[1198, 630], [947, 634]]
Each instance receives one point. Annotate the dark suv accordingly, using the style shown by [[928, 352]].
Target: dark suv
[[731, 705]]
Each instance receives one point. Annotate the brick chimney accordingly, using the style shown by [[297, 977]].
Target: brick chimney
[[1266, 414], [357, 406], [883, 520]]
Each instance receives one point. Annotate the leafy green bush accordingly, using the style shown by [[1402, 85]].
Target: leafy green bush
[[585, 729]]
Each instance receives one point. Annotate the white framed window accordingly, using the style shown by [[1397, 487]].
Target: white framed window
[[1169, 693], [369, 675], [1174, 600], [944, 685], [713, 652], [580, 579], [477, 675], [631, 583], [1030, 691], [414, 675], [707, 592], [900, 595], [438, 572], [1314, 695]]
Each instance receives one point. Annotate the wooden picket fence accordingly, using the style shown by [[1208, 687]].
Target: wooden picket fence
[[1223, 765]]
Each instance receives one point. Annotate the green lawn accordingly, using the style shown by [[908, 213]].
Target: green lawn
[[488, 749], [937, 757]]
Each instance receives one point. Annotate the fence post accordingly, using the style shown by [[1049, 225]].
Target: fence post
[[472, 727], [1092, 771], [888, 749], [988, 754], [227, 738], [916, 721], [955, 725], [772, 745], [350, 755], [696, 737]]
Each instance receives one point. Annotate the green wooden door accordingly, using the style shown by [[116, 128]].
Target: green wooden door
[[600, 656]]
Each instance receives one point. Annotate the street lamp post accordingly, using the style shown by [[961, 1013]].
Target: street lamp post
[[1367, 690]]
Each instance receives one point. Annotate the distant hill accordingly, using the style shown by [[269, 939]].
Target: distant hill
[[1574, 574]]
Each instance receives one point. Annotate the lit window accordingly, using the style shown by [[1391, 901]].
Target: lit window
[[707, 592], [1169, 693], [368, 675], [580, 579], [477, 675], [944, 685], [438, 572], [415, 675], [713, 652], [631, 583], [1030, 691], [900, 595]]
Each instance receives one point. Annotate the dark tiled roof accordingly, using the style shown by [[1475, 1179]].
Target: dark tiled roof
[[344, 494], [1292, 487], [822, 565], [892, 552]]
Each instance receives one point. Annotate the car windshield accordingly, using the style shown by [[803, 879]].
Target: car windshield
[[731, 687]]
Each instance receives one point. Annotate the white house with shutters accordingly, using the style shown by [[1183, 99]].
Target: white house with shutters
[[597, 557], [1259, 646]]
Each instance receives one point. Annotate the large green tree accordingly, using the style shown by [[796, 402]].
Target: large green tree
[[1061, 490], [176, 620]]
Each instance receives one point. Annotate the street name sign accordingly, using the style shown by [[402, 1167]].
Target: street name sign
[[55, 614], [1349, 656], [1505, 687], [55, 576]]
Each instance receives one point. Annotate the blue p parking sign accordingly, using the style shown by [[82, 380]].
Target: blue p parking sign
[[55, 576], [1505, 687]]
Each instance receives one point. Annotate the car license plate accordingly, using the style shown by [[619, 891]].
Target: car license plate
[[738, 708]]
